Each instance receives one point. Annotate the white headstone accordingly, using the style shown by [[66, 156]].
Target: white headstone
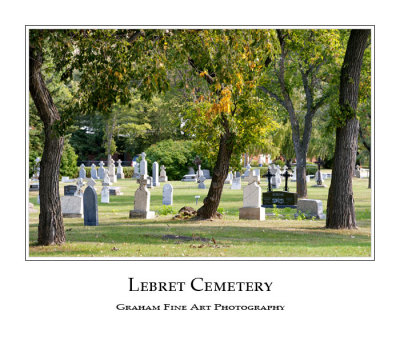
[[294, 177], [236, 183], [142, 201], [105, 194], [136, 173], [163, 175], [252, 195], [120, 170], [156, 183], [143, 165], [72, 206], [168, 194], [111, 171]]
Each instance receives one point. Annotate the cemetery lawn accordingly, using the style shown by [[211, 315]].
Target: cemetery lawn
[[281, 236]]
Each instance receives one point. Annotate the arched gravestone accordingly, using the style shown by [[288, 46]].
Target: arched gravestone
[[93, 172], [82, 172], [90, 211], [101, 171], [168, 194]]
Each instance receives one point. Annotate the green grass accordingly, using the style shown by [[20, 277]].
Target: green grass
[[119, 236]]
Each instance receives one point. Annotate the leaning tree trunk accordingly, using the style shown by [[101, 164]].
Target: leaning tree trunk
[[51, 226], [301, 174], [340, 209], [211, 202]]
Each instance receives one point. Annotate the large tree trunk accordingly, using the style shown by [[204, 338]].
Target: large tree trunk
[[301, 173], [340, 209], [211, 202], [51, 226]]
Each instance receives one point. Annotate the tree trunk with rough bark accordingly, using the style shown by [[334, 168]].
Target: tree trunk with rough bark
[[51, 226], [340, 209], [211, 202], [301, 174]]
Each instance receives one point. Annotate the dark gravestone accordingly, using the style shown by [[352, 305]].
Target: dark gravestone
[[70, 190], [90, 212], [280, 199]]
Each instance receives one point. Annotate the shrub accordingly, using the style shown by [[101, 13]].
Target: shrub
[[68, 161], [176, 156], [165, 210], [311, 169]]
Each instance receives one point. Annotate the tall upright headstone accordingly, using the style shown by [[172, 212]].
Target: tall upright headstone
[[294, 175], [120, 170], [107, 181], [111, 171], [142, 201], [82, 172], [163, 175], [79, 191], [93, 172], [90, 210], [105, 194], [156, 183], [252, 203], [168, 194], [136, 173], [143, 165], [101, 171], [276, 179], [229, 178]]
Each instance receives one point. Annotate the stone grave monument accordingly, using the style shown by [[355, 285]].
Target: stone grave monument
[[236, 183], [168, 194], [143, 165], [201, 182], [279, 198], [93, 172], [120, 170], [229, 178], [311, 208], [156, 183], [90, 210], [82, 172], [72, 206], [136, 173], [142, 201], [252, 203], [163, 175], [70, 190], [276, 179], [101, 171], [105, 194], [111, 172]]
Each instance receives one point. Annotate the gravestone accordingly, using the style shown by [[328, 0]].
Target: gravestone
[[101, 171], [276, 179], [64, 178], [257, 172], [72, 206], [163, 175], [206, 174], [149, 182], [252, 203], [279, 198], [189, 178], [111, 172], [200, 172], [229, 178], [142, 201], [105, 195], [90, 210], [120, 170], [201, 182], [253, 177], [156, 183], [70, 190], [136, 173], [115, 191], [143, 165], [294, 176], [311, 208], [190, 171], [93, 172], [168, 194], [106, 181], [236, 183], [82, 172], [247, 172], [79, 185], [237, 174]]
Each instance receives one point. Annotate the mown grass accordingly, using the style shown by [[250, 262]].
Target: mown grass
[[119, 236]]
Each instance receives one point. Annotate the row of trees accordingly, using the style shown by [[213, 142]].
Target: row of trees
[[230, 90]]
